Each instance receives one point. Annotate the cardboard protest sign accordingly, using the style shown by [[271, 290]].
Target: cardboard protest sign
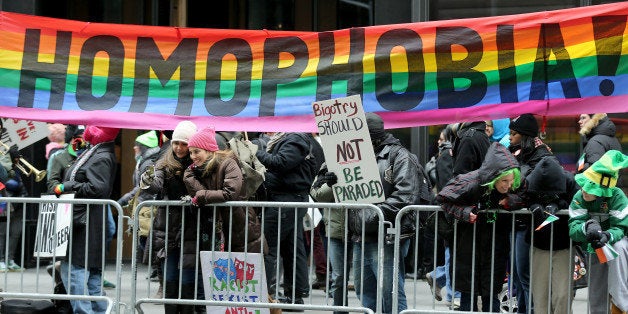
[[23, 132], [234, 277], [53, 227], [348, 151]]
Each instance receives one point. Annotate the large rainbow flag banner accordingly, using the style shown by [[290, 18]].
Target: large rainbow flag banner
[[146, 77]]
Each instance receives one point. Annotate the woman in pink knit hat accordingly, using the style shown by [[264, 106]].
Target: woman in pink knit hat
[[216, 177]]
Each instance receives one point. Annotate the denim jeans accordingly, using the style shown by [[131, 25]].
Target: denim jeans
[[442, 278], [521, 272], [340, 268], [366, 287], [110, 229], [79, 276]]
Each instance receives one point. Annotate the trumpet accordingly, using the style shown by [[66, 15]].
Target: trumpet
[[22, 165]]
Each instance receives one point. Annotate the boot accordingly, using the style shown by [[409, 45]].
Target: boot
[[172, 292], [615, 309], [187, 293]]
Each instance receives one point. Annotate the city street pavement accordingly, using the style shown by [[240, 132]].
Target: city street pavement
[[38, 281]]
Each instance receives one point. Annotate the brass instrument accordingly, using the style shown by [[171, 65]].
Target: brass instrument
[[22, 165]]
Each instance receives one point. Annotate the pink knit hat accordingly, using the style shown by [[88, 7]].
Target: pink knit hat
[[100, 134], [205, 139]]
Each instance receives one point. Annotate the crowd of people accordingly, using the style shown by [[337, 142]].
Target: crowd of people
[[480, 166]]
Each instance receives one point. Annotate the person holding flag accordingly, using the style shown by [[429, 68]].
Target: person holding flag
[[549, 188], [598, 217]]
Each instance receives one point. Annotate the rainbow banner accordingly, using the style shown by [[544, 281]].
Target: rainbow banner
[[146, 77]]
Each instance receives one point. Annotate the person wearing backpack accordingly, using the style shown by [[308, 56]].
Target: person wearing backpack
[[146, 150], [290, 170]]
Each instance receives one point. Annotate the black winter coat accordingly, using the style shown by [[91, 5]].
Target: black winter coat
[[290, 165], [548, 183], [599, 137], [444, 165], [93, 180], [465, 194], [469, 147]]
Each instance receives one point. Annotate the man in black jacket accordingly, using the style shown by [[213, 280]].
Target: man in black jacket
[[291, 166]]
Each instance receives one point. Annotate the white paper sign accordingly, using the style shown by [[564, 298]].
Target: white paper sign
[[23, 132], [348, 150], [234, 277], [53, 227]]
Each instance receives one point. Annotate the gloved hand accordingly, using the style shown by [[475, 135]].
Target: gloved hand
[[58, 189], [593, 230], [14, 152], [186, 199], [194, 201], [551, 208], [605, 236], [330, 178], [538, 213], [78, 143], [512, 202], [147, 177], [123, 202]]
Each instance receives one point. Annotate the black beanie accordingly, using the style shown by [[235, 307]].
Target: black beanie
[[525, 124], [375, 125]]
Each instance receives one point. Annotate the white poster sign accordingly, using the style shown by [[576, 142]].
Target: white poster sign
[[53, 227], [348, 151], [23, 132], [234, 277]]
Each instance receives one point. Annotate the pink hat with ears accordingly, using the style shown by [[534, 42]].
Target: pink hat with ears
[[205, 139]]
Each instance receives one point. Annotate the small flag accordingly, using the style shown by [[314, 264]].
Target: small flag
[[606, 253], [550, 218], [2, 186]]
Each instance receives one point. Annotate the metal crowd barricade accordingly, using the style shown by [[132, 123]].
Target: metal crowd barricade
[[508, 302], [262, 209], [14, 288]]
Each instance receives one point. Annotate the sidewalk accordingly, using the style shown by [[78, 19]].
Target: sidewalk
[[38, 281]]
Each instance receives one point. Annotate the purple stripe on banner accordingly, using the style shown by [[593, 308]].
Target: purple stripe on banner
[[306, 123]]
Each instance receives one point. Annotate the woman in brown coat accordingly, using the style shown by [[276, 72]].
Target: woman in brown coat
[[215, 176]]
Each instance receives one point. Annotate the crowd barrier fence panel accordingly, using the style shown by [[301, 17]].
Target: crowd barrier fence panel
[[262, 210], [12, 288], [508, 302]]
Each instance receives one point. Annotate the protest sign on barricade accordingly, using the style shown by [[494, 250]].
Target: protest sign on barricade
[[234, 277], [348, 151], [53, 227]]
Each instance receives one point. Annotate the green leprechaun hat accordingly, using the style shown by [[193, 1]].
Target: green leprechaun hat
[[602, 175]]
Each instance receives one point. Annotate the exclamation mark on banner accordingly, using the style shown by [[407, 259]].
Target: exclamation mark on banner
[[608, 32]]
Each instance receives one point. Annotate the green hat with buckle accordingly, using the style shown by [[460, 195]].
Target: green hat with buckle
[[601, 176]]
